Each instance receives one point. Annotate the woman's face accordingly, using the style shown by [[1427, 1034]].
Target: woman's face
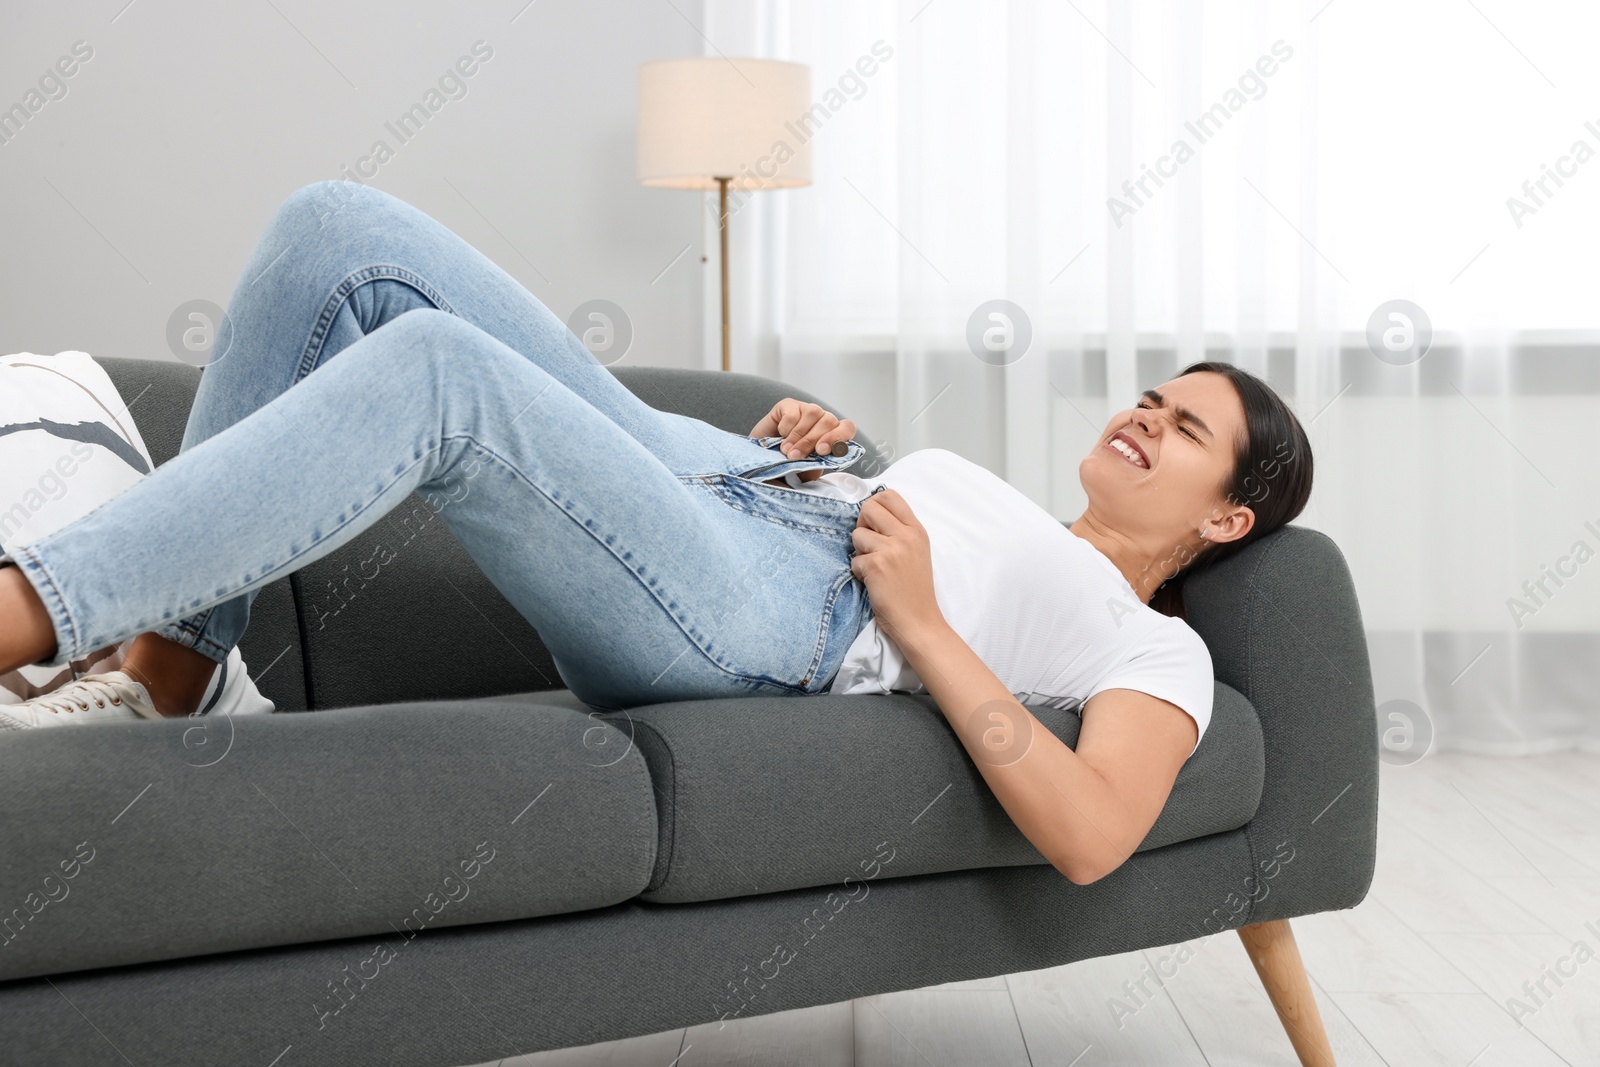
[[1157, 473]]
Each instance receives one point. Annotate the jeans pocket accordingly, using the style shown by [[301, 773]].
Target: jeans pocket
[[803, 540], [806, 664]]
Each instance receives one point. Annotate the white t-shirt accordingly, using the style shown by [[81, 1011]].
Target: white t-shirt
[[1044, 609]]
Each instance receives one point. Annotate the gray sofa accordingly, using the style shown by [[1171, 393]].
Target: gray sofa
[[459, 861]]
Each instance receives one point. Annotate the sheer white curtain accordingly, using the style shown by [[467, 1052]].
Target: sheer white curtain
[[1153, 183]]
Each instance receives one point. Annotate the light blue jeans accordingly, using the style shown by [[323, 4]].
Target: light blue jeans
[[368, 353]]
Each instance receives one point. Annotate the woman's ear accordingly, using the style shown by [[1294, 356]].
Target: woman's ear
[[1230, 525]]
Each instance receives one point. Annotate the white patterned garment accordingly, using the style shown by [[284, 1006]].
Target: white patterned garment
[[1045, 610], [68, 444]]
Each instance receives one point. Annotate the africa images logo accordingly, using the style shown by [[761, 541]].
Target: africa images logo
[[1206, 126]]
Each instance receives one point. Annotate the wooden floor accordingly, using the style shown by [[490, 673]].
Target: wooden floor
[[1488, 871]]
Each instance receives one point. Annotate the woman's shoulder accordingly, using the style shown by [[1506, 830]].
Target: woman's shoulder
[[1175, 636]]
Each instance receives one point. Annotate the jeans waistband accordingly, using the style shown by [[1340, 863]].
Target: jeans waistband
[[785, 505]]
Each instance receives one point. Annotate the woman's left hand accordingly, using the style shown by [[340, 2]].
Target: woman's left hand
[[893, 559]]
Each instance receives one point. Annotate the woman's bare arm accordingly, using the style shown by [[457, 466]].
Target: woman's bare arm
[[1085, 810]]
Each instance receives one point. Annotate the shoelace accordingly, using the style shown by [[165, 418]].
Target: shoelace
[[66, 701]]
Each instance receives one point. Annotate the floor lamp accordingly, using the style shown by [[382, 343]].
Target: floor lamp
[[724, 124]]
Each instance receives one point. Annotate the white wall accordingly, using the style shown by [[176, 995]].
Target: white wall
[[147, 183]]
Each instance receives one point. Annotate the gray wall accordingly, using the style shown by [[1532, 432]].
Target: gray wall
[[147, 183]]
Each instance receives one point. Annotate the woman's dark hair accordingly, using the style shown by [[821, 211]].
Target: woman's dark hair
[[1271, 475]]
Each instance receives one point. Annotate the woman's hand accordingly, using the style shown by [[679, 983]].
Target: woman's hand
[[805, 428], [894, 561]]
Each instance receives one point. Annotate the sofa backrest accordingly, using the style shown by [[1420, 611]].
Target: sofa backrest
[[428, 625]]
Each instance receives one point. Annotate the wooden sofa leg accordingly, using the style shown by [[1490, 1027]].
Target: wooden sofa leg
[[1277, 959]]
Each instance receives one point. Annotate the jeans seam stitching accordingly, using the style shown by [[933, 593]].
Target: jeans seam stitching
[[827, 621], [341, 294], [54, 589]]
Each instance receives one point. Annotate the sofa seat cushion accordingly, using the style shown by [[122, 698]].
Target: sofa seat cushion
[[141, 841], [765, 794]]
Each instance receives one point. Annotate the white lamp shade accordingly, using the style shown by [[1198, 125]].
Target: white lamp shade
[[701, 119]]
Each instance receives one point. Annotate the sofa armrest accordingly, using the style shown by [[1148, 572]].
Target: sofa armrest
[[1284, 628]]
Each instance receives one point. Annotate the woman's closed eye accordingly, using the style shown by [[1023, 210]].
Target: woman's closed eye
[[1182, 429]]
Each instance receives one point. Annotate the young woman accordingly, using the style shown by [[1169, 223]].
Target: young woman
[[369, 353]]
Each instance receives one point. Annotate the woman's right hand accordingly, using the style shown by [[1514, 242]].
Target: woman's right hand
[[894, 560]]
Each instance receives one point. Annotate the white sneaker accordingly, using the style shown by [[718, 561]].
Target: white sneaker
[[232, 691], [109, 697]]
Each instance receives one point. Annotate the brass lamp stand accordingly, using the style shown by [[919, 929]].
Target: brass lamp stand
[[722, 222]]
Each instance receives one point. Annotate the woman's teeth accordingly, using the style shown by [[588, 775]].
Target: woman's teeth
[[1128, 452]]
